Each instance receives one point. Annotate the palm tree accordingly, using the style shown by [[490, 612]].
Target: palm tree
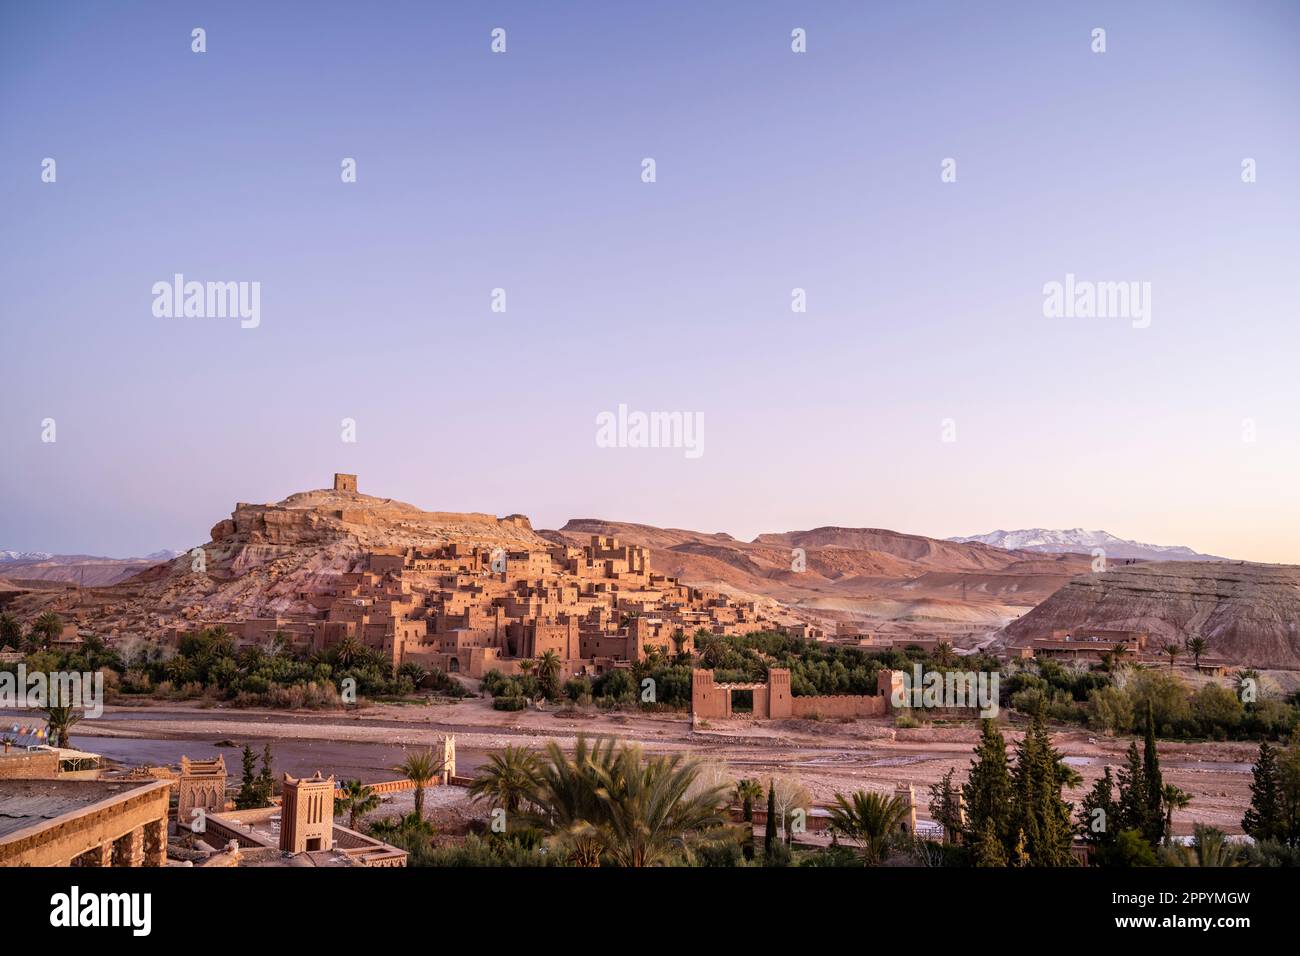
[[417, 673], [872, 819], [11, 632], [420, 767], [747, 791], [60, 721], [357, 800], [1117, 655], [647, 811], [1173, 650], [347, 651], [1173, 799], [714, 653], [527, 665], [944, 655], [1246, 678], [548, 673], [45, 629], [1209, 848], [611, 802], [1197, 647], [507, 779], [563, 799]]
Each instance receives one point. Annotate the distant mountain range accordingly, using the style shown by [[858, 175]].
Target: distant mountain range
[[1079, 541], [84, 569]]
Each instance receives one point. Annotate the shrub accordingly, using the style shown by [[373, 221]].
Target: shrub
[[576, 688]]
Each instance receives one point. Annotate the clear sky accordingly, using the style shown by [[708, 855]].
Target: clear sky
[[775, 171]]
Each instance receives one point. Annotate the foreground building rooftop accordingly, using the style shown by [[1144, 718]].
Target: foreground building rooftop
[[83, 823]]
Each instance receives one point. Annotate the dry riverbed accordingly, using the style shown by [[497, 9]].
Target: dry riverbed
[[826, 756]]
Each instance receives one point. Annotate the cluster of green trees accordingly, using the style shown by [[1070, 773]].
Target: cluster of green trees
[[815, 668], [1114, 697], [537, 680], [1273, 818], [1209, 711], [818, 668], [206, 663], [1016, 815], [256, 787], [1128, 820]]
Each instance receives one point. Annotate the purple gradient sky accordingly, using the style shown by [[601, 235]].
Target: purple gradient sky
[[775, 171]]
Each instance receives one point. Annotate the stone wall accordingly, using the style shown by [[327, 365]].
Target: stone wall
[[29, 765], [840, 705]]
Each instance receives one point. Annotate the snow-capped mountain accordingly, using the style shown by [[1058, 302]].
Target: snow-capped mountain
[[6, 556], [1081, 541]]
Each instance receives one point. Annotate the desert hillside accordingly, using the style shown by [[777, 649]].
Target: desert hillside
[[80, 569], [1248, 613], [885, 579]]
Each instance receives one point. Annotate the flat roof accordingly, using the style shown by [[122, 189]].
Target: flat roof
[[26, 803]]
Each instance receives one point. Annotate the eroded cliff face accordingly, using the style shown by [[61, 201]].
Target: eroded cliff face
[[264, 558], [1248, 613]]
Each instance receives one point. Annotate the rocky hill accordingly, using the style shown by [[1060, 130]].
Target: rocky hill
[[1248, 613], [263, 556]]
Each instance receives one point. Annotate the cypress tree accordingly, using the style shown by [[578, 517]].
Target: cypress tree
[[945, 807], [1041, 819], [266, 779], [987, 848], [1132, 803], [987, 791], [1056, 812], [1026, 781], [1288, 782], [1263, 819], [1154, 830], [247, 797], [769, 833], [1099, 814]]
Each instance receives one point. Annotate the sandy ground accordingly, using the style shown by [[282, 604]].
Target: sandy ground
[[825, 756]]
